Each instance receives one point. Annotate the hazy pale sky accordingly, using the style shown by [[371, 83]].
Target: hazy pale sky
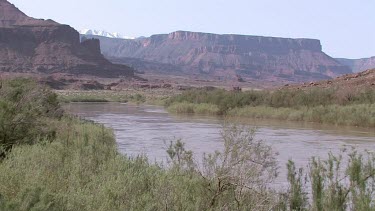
[[345, 27]]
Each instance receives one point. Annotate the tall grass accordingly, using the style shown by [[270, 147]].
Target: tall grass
[[157, 97], [227, 100], [350, 115], [98, 96], [191, 108]]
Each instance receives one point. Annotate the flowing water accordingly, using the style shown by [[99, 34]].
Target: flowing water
[[149, 129]]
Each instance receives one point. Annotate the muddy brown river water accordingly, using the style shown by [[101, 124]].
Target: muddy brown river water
[[148, 129]]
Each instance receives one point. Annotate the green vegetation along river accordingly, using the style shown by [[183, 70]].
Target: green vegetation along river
[[50, 160], [149, 129]]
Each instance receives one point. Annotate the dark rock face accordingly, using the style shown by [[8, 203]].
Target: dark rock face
[[358, 65], [44, 46], [227, 55]]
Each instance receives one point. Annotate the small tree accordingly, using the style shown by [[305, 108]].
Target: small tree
[[236, 177]]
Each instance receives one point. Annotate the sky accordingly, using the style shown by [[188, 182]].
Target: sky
[[346, 28]]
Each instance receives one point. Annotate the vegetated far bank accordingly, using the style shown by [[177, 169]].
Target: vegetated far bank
[[332, 105], [136, 96], [51, 161]]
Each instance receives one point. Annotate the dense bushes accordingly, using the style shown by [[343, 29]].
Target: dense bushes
[[25, 110], [315, 105], [227, 100]]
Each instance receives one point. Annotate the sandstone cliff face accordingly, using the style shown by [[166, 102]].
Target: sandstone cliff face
[[39, 46], [358, 65], [228, 55]]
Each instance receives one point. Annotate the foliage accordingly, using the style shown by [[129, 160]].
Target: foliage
[[191, 108], [154, 96], [314, 105], [334, 187], [354, 115], [25, 110], [297, 198], [227, 100]]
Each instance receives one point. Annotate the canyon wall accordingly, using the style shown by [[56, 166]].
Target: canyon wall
[[255, 57]]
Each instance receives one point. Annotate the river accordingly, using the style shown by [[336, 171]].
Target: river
[[149, 129]]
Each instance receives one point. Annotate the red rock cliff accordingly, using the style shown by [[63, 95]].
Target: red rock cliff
[[228, 55], [32, 45]]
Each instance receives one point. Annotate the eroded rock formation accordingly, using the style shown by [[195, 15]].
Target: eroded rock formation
[[44, 46]]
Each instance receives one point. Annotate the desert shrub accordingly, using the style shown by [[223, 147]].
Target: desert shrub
[[332, 185], [296, 196], [236, 178]]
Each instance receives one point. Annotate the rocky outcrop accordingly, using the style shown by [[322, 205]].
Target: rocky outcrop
[[347, 83], [44, 46], [255, 57], [358, 65]]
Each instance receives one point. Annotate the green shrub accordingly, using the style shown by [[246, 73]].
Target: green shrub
[[227, 100], [333, 186], [191, 108], [351, 115], [26, 110]]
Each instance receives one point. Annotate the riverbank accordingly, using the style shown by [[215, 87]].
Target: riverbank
[[327, 106], [135, 96], [351, 115]]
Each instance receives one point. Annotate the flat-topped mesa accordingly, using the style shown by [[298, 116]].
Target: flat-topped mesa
[[35, 45], [226, 56], [247, 41]]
